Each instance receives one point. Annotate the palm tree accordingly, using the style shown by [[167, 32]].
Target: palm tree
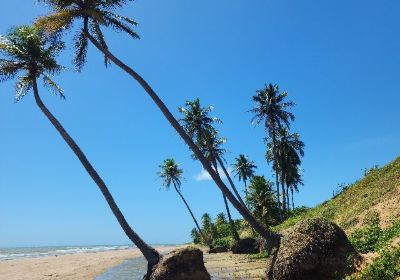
[[289, 149], [96, 13], [271, 108], [200, 127], [29, 55], [170, 173], [211, 148], [262, 202], [244, 169]]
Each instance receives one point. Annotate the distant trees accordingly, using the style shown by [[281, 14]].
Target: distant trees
[[200, 126], [283, 149], [271, 109], [262, 201]]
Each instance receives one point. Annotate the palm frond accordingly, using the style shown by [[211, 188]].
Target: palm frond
[[23, 86], [49, 83], [99, 36], [81, 47], [58, 21], [120, 26]]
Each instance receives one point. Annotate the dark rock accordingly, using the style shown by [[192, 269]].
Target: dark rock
[[245, 246], [219, 249], [314, 249], [182, 264]]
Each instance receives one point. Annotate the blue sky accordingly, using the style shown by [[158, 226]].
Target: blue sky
[[339, 61]]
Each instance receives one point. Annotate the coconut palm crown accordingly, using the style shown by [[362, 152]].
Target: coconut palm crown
[[170, 173], [93, 14], [244, 169], [27, 55]]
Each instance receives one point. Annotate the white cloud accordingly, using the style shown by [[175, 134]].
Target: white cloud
[[205, 176]]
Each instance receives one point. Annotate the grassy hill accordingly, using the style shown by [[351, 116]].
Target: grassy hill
[[376, 197], [378, 192]]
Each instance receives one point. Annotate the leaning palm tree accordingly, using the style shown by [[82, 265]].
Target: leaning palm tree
[[271, 108], [244, 169], [200, 127], [170, 173], [211, 147], [95, 14], [29, 55]]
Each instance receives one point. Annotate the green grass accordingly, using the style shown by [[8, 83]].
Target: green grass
[[386, 267], [359, 210], [350, 207]]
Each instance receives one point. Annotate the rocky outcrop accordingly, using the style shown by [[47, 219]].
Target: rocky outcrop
[[219, 249], [181, 264], [314, 249], [245, 246]]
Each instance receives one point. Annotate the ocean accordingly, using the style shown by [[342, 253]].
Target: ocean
[[35, 252]]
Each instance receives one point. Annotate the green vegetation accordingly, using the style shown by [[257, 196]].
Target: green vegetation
[[385, 267], [368, 211], [378, 190]]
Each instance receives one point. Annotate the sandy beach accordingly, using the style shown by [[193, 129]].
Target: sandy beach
[[85, 266], [80, 266]]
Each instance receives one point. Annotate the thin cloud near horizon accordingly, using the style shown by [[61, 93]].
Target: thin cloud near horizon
[[205, 176]]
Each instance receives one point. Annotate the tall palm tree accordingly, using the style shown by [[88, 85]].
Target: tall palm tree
[[289, 149], [93, 14], [244, 169], [210, 146], [271, 109], [30, 55], [200, 126], [170, 173]]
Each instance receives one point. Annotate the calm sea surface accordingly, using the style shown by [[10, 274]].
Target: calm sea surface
[[35, 252]]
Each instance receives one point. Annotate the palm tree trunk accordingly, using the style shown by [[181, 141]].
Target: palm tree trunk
[[228, 211], [283, 196], [245, 187], [287, 198], [291, 189], [221, 163], [231, 222], [151, 255], [273, 238], [193, 217], [276, 169]]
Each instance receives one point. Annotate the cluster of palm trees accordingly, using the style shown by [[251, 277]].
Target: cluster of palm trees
[[29, 53], [284, 149]]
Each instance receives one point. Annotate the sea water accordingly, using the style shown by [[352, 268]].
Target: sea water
[[35, 252], [133, 269]]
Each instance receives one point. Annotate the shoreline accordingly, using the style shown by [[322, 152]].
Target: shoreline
[[78, 266]]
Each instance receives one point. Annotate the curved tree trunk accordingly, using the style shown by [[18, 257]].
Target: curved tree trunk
[[231, 222], [151, 255], [230, 181], [265, 233], [228, 211], [193, 217]]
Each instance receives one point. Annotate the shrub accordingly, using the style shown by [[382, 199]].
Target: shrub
[[223, 242], [366, 239], [386, 267]]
